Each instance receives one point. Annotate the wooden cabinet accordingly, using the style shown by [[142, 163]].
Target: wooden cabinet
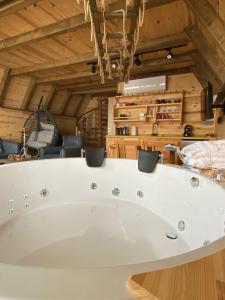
[[128, 146]]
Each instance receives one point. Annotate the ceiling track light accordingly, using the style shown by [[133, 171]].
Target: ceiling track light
[[137, 60], [169, 54]]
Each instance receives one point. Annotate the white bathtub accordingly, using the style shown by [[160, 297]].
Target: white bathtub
[[72, 232]]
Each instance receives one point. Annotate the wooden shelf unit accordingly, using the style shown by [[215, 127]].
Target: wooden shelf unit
[[151, 110]]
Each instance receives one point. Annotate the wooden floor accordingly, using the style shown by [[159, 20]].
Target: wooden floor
[[200, 280]]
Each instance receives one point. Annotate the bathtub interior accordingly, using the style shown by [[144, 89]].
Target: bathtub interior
[[60, 213]]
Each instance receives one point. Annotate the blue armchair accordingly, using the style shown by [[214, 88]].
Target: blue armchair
[[9, 147], [72, 146]]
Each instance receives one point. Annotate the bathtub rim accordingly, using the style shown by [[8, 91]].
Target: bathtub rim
[[169, 262]]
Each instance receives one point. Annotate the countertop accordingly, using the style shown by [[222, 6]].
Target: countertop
[[197, 138]]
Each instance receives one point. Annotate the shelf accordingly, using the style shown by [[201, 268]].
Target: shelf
[[163, 120], [133, 106], [129, 120], [148, 105]]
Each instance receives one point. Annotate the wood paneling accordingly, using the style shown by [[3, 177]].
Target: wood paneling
[[12, 121], [203, 279]]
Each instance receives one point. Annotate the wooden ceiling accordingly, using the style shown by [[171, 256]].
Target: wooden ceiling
[[49, 42]]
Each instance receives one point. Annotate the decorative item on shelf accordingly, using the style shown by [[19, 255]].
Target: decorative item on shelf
[[142, 115], [188, 131], [130, 104], [133, 130], [122, 130]]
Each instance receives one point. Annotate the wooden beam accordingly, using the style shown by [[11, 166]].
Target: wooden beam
[[207, 53], [12, 6], [50, 97], [133, 27], [82, 98], [210, 19], [149, 63], [28, 95], [96, 91], [47, 31], [61, 27], [3, 84], [203, 72], [146, 72], [67, 77], [169, 41], [85, 100], [65, 101], [97, 30]]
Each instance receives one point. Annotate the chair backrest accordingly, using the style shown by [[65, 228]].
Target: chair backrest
[[11, 147], [73, 141]]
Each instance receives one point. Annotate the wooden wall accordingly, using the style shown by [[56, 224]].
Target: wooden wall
[[193, 110], [20, 96], [11, 123]]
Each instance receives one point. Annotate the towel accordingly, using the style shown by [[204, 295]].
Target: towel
[[204, 155]]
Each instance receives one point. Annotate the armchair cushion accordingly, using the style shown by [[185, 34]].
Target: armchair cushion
[[1, 147], [70, 152], [50, 151], [45, 136], [75, 141]]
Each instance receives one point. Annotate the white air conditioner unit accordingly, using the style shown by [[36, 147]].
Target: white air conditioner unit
[[144, 85]]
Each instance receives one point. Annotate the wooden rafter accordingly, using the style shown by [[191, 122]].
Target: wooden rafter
[[149, 63], [97, 91], [3, 84], [210, 19], [148, 72], [83, 103], [29, 93], [65, 101], [11, 6], [50, 97], [133, 28], [67, 25], [70, 24], [97, 30], [204, 73], [169, 41], [207, 53]]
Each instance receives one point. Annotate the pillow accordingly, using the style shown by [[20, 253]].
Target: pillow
[[45, 136], [46, 126], [33, 137], [1, 147]]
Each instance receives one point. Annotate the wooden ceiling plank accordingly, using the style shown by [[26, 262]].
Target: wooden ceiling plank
[[49, 99], [210, 19], [28, 95], [65, 102], [58, 28], [3, 84], [47, 31], [207, 53], [12, 6], [169, 41]]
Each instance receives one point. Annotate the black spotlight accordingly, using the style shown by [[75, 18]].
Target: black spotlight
[[137, 61], [169, 55], [93, 68]]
